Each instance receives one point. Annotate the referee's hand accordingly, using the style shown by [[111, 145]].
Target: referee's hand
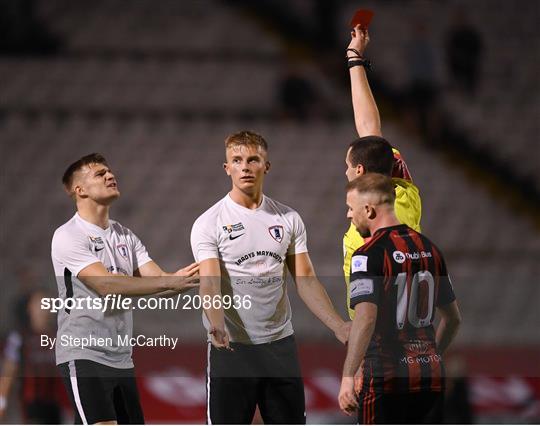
[[359, 40], [220, 338]]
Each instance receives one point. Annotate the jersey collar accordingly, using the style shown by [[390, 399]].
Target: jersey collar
[[233, 203], [391, 228], [91, 227]]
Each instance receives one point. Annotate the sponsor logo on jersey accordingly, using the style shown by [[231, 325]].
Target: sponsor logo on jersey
[[417, 346], [398, 256], [232, 228], [361, 287], [258, 253], [123, 250], [359, 264], [276, 232], [231, 237], [97, 242]]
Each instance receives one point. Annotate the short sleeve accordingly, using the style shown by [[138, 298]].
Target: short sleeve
[[366, 282], [204, 241], [298, 242], [140, 254], [446, 291], [72, 251]]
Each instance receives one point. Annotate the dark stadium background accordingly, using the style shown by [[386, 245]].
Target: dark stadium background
[[156, 86]]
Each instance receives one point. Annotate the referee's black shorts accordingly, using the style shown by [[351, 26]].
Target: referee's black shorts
[[267, 375], [400, 408], [101, 393]]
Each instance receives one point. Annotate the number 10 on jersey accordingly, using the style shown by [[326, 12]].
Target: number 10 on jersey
[[409, 305]]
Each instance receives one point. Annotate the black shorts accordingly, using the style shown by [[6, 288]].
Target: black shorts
[[101, 393], [267, 375], [400, 408]]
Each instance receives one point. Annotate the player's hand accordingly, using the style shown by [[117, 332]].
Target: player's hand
[[359, 41], [347, 399], [342, 333], [189, 277], [220, 338], [188, 271]]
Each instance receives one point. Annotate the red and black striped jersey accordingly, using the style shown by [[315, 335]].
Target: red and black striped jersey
[[404, 274]]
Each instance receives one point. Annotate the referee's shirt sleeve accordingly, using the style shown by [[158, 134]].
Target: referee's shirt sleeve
[[73, 251], [298, 242], [366, 283], [204, 240]]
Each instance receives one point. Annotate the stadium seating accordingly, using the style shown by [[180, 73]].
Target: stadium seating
[[157, 88]]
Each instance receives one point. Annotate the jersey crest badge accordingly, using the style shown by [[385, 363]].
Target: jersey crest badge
[[123, 250], [276, 232]]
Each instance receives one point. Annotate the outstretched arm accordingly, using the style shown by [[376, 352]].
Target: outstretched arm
[[102, 282], [152, 269], [366, 114]]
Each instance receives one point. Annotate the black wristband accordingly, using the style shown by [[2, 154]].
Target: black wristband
[[363, 62], [356, 52]]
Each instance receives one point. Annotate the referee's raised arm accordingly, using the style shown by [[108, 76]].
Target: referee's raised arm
[[366, 114]]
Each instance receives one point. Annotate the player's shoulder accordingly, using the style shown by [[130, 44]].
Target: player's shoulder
[[371, 248], [279, 207], [377, 244], [210, 215], [367, 257], [68, 231], [429, 244]]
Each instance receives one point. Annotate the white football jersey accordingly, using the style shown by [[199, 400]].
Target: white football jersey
[[252, 246], [76, 245]]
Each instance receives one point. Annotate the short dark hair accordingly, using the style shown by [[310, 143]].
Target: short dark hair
[[246, 137], [376, 183], [374, 153], [94, 158]]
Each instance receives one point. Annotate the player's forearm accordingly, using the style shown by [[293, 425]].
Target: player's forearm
[[130, 286], [359, 338], [366, 114], [446, 332], [314, 295], [210, 289]]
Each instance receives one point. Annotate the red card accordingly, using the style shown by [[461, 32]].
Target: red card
[[362, 17]]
